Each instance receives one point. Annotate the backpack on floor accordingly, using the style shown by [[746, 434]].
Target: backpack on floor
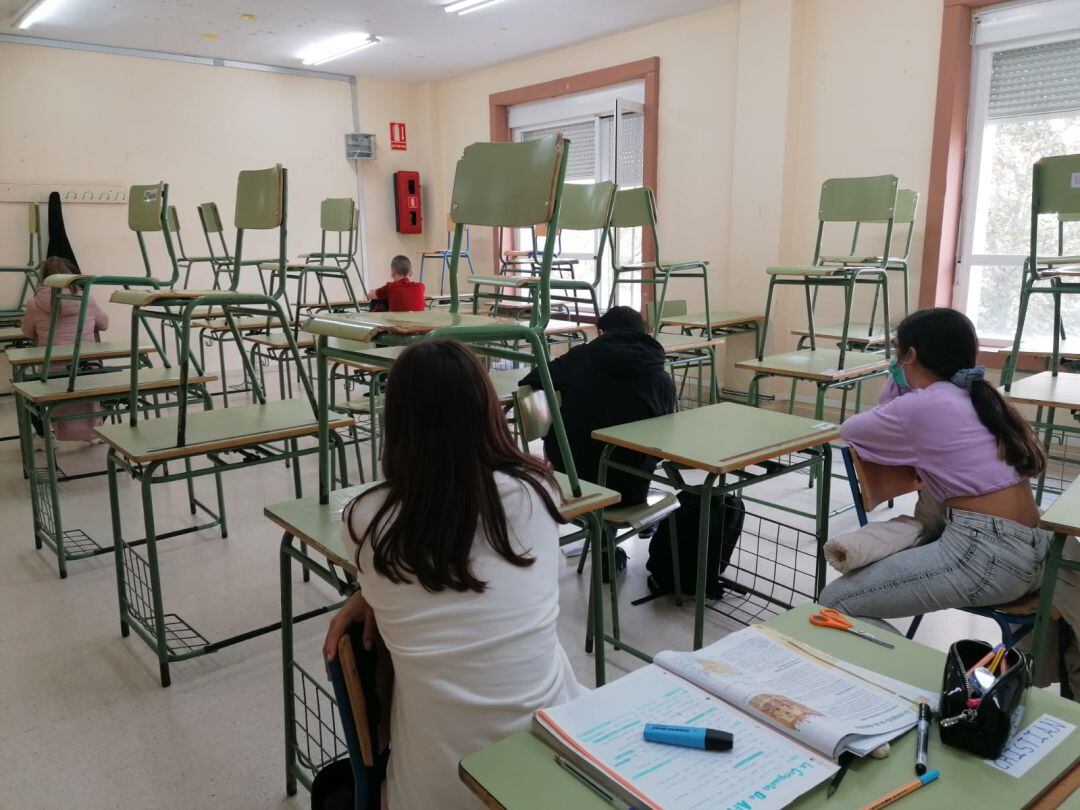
[[723, 538]]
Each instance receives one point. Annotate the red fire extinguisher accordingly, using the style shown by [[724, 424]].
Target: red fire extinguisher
[[407, 202]]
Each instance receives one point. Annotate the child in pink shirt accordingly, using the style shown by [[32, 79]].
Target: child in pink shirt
[[35, 324]]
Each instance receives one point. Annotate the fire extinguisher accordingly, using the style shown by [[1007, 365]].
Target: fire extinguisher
[[407, 202]]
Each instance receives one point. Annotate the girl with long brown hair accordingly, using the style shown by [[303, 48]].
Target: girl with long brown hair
[[457, 551]]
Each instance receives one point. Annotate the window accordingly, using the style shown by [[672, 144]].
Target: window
[[1025, 104]]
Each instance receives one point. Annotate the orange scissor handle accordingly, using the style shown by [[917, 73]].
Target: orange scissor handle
[[828, 617]]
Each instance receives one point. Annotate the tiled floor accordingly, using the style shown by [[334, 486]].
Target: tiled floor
[[83, 721]]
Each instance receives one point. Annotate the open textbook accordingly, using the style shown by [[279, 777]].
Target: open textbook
[[792, 709]]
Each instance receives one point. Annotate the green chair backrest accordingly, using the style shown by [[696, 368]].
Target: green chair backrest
[[172, 220], [510, 185], [210, 218], [671, 309], [634, 208], [337, 214], [586, 206], [145, 211], [33, 219], [1055, 186], [907, 205], [858, 199], [260, 199]]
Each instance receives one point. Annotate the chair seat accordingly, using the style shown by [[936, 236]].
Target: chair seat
[[355, 406], [196, 259], [216, 430], [253, 323], [366, 326], [517, 254], [658, 505], [98, 386], [893, 262], [664, 264], [673, 344], [819, 365], [435, 253], [857, 333], [316, 254], [717, 320], [1061, 391], [571, 284], [145, 298], [279, 340], [1061, 271]]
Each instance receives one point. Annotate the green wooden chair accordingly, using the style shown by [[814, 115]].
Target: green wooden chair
[[223, 260], [850, 200], [1054, 190], [442, 255], [147, 207], [867, 333], [29, 270], [337, 218], [172, 220], [586, 207], [635, 208]]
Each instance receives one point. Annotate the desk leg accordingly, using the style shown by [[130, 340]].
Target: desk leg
[[823, 506], [703, 554], [1040, 488], [287, 665], [1043, 619], [596, 592], [161, 639], [118, 542]]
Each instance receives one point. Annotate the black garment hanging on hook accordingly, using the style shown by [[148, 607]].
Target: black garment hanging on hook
[[58, 239]]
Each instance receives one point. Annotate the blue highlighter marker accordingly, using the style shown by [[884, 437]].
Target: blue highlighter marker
[[707, 739]]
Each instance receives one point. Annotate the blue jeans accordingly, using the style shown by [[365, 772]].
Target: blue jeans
[[978, 561]]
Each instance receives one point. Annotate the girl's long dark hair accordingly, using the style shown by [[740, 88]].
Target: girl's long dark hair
[[445, 437], [945, 342]]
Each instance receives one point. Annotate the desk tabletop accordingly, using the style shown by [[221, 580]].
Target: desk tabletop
[[716, 320], [817, 364], [88, 351], [687, 343], [1061, 391], [520, 773], [720, 438], [102, 386], [1064, 514], [207, 431], [362, 326], [12, 334], [319, 525]]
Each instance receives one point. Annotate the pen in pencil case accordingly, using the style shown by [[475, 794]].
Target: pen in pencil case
[[709, 739]]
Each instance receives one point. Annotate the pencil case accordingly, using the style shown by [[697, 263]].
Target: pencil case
[[980, 722]]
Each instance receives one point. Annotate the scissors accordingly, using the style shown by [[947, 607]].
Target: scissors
[[833, 619]]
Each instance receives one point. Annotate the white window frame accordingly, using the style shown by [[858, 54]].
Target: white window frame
[[974, 155]]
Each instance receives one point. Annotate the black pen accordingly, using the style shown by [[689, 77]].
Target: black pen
[[926, 715], [846, 759]]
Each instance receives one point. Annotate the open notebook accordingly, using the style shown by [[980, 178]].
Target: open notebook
[[792, 709]]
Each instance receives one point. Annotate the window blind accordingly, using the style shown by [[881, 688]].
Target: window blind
[[581, 164], [1036, 81]]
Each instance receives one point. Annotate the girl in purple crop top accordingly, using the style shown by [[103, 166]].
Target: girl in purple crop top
[[939, 415]]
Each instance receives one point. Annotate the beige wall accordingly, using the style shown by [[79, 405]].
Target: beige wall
[[98, 118]]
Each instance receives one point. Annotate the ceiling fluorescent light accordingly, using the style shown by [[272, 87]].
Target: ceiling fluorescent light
[[34, 12], [469, 6], [336, 47]]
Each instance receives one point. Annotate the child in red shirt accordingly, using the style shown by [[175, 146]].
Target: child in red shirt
[[402, 294]]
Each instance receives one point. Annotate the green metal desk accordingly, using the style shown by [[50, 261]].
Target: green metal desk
[[36, 398], [1063, 519], [519, 773], [312, 734], [1048, 392], [736, 446]]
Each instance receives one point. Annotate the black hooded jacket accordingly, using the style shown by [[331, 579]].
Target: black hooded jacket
[[620, 377]]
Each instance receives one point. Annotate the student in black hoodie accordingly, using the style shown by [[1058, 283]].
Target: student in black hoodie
[[619, 377]]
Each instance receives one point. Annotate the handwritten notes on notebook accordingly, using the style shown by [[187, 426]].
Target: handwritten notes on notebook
[[1027, 748], [764, 769]]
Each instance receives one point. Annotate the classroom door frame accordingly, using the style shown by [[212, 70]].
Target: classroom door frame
[[644, 70]]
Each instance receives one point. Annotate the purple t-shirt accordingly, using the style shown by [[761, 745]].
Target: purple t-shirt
[[936, 431]]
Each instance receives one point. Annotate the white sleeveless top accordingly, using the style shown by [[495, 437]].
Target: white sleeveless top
[[469, 668]]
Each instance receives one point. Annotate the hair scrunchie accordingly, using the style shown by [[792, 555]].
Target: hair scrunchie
[[966, 376]]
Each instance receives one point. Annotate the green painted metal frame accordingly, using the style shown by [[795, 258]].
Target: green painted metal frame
[[1052, 192], [345, 255], [444, 257]]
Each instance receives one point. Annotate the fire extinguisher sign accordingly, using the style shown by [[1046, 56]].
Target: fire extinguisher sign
[[397, 136]]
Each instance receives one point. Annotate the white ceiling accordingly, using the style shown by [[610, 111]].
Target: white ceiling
[[420, 42]]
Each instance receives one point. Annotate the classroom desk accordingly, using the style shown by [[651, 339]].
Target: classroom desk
[[727, 440], [519, 773], [1047, 392], [312, 738], [40, 399], [686, 351], [1063, 519]]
